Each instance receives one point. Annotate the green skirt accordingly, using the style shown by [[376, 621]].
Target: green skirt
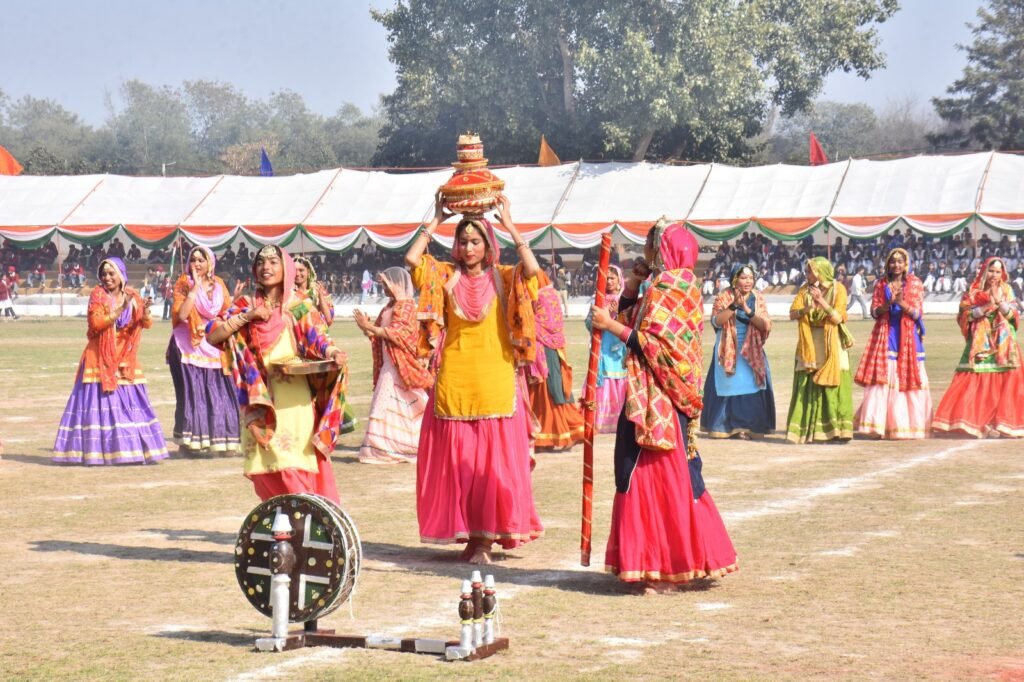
[[820, 413]]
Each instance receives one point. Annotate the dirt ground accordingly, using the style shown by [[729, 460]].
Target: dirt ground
[[872, 560]]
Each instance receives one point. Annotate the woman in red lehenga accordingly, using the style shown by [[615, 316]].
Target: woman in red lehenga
[[665, 526], [986, 397], [550, 376]]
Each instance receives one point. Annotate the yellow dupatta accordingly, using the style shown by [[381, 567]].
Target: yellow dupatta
[[826, 370]]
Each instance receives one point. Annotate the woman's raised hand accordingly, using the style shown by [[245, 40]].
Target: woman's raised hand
[[239, 288], [504, 206], [441, 214], [261, 313]]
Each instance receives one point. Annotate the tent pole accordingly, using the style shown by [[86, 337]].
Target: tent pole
[[60, 274]]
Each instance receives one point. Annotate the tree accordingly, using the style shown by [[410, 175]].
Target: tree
[[353, 135], [220, 117], [46, 138], [151, 129], [611, 79], [986, 106]]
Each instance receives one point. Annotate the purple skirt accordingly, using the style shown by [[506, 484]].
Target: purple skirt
[[109, 428], [206, 406]]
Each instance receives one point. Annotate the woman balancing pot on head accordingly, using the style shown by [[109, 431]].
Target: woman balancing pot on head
[[738, 396], [400, 376], [821, 407], [473, 468], [206, 405], [611, 367], [291, 420], [307, 285], [897, 403], [986, 396], [108, 418], [665, 526]]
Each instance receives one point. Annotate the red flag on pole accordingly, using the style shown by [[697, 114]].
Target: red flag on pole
[[818, 157], [8, 164]]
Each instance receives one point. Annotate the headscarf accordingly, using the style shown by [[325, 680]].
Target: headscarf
[[991, 335], [677, 248], [826, 370], [311, 291], [266, 332], [400, 276], [873, 367], [481, 223], [753, 342]]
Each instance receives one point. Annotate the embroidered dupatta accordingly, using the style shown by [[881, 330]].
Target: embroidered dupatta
[[991, 335], [252, 376], [753, 344], [399, 340], [668, 323], [116, 347], [873, 368], [519, 315], [826, 371]]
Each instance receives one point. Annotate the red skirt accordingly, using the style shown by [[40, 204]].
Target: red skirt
[[294, 481], [659, 532], [977, 402], [560, 426], [473, 479]]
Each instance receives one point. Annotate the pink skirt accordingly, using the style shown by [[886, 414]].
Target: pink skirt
[[888, 412], [293, 481], [611, 394], [473, 479], [978, 402], [660, 533]]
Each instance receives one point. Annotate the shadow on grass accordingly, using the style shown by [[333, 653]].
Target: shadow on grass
[[40, 460], [134, 553], [446, 563], [214, 637], [192, 535]]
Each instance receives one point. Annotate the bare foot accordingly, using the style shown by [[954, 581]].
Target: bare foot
[[482, 555], [470, 549]]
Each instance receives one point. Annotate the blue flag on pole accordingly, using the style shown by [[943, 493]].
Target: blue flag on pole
[[266, 170]]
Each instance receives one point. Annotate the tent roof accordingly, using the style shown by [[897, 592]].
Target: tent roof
[[333, 208]]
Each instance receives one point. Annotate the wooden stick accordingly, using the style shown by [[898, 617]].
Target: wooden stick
[[590, 404]]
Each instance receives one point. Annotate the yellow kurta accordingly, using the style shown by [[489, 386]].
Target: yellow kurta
[[477, 375], [292, 444]]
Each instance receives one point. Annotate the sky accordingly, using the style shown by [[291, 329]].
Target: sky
[[331, 52]]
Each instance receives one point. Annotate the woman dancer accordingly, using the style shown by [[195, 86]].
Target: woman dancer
[[821, 407], [400, 377], [292, 420], [308, 286], [738, 396], [108, 418], [611, 367], [473, 469], [550, 376], [666, 529], [897, 403], [986, 397], [206, 405]]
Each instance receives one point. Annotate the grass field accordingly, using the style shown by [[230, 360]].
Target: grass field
[[872, 560]]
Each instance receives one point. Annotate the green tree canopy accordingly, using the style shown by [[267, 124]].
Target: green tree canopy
[[986, 104], [611, 78]]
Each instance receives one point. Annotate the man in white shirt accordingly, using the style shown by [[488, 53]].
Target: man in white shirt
[[857, 293]]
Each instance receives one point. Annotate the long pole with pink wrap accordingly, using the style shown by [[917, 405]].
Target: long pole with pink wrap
[[590, 403]]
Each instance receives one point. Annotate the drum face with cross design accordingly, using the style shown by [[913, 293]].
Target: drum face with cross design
[[328, 554]]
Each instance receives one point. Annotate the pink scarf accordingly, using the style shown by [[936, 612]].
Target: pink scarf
[[474, 294], [267, 332]]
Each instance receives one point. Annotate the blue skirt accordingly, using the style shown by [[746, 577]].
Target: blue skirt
[[726, 416]]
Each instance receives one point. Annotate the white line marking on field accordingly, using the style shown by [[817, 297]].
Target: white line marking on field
[[713, 606], [802, 499], [18, 419], [288, 669]]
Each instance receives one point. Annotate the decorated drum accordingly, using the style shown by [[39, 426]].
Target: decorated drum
[[328, 554]]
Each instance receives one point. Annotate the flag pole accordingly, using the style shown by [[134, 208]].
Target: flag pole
[[590, 404]]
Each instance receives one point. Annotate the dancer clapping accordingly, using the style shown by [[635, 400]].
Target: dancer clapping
[[400, 376]]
